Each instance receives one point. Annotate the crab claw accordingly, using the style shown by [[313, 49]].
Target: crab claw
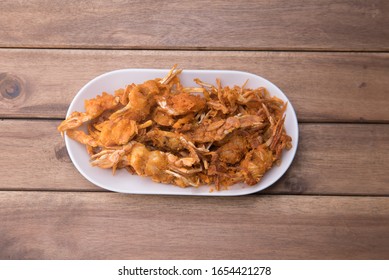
[[76, 119], [172, 73], [110, 158], [82, 137], [182, 180]]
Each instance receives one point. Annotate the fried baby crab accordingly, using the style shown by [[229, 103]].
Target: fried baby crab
[[186, 136]]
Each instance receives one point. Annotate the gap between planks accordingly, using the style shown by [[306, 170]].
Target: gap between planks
[[205, 49]]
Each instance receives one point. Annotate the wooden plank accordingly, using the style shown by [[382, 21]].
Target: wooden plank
[[344, 87], [185, 24], [50, 225], [331, 159]]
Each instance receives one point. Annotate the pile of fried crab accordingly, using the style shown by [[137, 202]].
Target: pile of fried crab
[[187, 136]]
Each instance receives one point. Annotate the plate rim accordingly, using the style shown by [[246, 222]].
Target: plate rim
[[247, 189]]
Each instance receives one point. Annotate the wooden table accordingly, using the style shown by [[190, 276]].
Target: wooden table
[[330, 57]]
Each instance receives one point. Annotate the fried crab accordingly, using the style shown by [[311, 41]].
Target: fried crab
[[187, 136]]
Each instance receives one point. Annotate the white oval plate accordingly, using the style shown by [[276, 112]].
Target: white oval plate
[[123, 181]]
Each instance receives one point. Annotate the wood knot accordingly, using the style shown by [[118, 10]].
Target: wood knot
[[294, 185], [362, 85], [61, 153], [12, 89]]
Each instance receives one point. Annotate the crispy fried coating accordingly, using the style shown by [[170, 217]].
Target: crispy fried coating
[[186, 136]]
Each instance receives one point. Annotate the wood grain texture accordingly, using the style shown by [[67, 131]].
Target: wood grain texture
[[334, 87], [50, 225], [186, 24], [50, 49], [337, 159]]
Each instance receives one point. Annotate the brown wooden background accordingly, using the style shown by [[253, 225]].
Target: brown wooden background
[[330, 57]]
